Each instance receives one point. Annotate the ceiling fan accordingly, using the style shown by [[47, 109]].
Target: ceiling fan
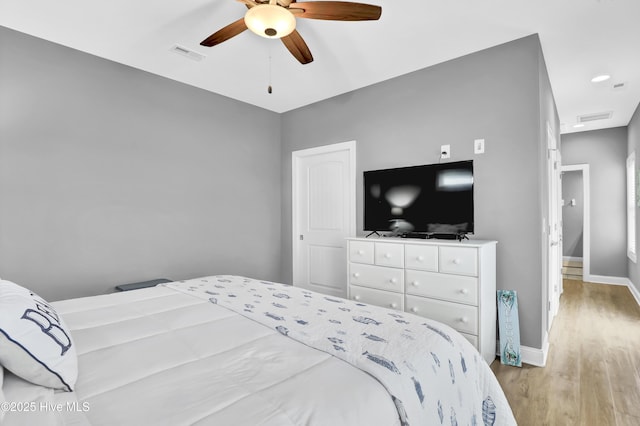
[[277, 19]]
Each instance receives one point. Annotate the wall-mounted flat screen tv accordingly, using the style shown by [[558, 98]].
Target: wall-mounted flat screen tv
[[433, 198]]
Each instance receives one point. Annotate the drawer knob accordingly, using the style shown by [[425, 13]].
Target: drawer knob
[[393, 280], [356, 297], [464, 291], [456, 261], [394, 305], [415, 283], [414, 309], [356, 274], [360, 252], [387, 255], [464, 320], [420, 258]]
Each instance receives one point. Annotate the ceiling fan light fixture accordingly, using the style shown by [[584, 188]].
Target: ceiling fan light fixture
[[600, 78], [270, 21]]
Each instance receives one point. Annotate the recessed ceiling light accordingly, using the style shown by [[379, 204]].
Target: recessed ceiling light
[[576, 126], [600, 78]]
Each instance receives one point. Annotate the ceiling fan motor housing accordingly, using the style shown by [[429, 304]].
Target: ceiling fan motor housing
[[270, 21]]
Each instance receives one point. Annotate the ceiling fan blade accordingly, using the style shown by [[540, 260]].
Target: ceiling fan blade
[[225, 33], [297, 47], [249, 3], [337, 11]]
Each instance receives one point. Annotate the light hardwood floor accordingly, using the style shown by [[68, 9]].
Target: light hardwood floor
[[592, 376]]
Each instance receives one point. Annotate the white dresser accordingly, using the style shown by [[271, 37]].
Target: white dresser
[[450, 281]]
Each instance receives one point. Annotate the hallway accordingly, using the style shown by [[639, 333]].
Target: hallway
[[592, 375]]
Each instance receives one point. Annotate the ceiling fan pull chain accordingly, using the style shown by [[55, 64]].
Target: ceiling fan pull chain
[[269, 89]]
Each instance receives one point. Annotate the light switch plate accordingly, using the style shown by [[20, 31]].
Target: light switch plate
[[445, 151], [478, 146]]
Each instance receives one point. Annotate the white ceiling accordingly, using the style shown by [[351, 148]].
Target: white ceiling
[[580, 39]]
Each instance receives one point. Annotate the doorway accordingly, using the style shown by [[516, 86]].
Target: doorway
[[323, 216], [576, 217]]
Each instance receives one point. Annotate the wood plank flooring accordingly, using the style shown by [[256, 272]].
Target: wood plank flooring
[[592, 376]]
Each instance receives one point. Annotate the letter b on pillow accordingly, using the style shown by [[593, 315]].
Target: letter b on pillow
[[35, 343]]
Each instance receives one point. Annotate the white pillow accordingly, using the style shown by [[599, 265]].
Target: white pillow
[[35, 343]]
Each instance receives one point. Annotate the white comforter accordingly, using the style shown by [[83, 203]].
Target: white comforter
[[433, 375], [161, 356]]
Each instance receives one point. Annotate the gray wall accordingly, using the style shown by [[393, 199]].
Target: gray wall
[[633, 145], [493, 94], [111, 175], [606, 153], [572, 216]]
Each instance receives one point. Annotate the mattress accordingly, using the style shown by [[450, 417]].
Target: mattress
[[177, 354]]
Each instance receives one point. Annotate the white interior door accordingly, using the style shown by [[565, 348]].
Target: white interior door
[[554, 234], [323, 216]]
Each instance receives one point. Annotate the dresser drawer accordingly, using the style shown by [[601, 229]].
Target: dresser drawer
[[463, 318], [459, 260], [421, 257], [380, 277], [472, 339], [454, 288], [386, 299], [361, 252], [389, 254]]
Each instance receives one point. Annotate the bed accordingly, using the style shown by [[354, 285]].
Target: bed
[[229, 350]]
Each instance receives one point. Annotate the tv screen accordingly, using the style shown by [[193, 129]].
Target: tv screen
[[434, 198]]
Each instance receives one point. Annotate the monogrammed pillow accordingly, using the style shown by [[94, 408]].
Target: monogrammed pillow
[[35, 343]]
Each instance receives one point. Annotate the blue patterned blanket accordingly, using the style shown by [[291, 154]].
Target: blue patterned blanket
[[433, 374]]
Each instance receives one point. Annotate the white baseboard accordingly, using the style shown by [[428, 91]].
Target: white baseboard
[[604, 279], [533, 356], [572, 258], [634, 291]]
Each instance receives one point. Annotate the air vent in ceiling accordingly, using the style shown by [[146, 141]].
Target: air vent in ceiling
[[619, 86], [181, 50], [594, 117]]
